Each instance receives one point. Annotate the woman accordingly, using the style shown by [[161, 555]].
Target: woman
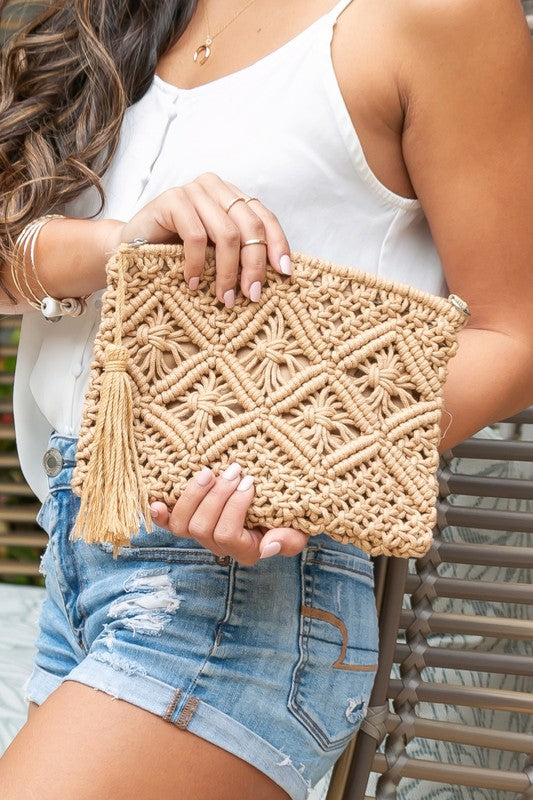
[[392, 137]]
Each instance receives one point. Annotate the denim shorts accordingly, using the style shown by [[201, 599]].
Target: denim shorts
[[273, 663]]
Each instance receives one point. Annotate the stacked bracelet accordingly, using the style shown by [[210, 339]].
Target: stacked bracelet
[[50, 307]]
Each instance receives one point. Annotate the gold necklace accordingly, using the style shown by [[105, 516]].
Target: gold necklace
[[202, 53]]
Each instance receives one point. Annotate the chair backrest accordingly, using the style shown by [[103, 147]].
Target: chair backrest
[[453, 700]]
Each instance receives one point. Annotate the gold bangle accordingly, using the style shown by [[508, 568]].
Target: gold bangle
[[51, 307], [27, 240], [39, 226], [18, 264]]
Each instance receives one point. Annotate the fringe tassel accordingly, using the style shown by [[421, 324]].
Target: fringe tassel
[[114, 499]]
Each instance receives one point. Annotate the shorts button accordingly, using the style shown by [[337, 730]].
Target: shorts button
[[52, 462], [224, 561]]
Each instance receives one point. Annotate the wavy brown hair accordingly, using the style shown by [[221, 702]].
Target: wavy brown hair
[[67, 74]]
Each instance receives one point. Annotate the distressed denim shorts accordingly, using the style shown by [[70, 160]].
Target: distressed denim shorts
[[274, 662]]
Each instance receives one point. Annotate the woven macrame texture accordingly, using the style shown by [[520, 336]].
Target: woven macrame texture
[[328, 391]]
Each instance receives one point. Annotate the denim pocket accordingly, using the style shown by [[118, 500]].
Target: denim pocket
[[338, 643]]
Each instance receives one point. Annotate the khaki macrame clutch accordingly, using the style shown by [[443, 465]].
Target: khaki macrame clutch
[[327, 391]]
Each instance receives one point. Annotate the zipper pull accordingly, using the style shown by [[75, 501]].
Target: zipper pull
[[459, 304]]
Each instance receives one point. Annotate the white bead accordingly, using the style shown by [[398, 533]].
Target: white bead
[[72, 306], [50, 308]]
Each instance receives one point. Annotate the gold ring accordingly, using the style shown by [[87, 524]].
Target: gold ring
[[253, 241], [249, 199], [235, 200]]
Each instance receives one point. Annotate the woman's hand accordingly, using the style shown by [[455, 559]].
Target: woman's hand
[[212, 511], [203, 211]]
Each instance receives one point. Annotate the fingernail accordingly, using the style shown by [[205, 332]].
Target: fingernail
[[255, 291], [204, 476], [246, 483], [271, 549], [231, 472], [154, 512], [285, 265], [194, 282], [229, 298]]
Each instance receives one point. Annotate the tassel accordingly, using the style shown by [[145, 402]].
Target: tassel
[[114, 498]]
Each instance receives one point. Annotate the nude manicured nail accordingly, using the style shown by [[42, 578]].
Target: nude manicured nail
[[246, 483], [194, 283], [204, 476], [255, 291], [271, 549], [229, 298], [285, 264], [154, 512], [231, 472]]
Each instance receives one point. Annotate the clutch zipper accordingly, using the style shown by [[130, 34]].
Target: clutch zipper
[[454, 299], [459, 304]]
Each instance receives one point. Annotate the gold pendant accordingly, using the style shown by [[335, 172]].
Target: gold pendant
[[202, 53]]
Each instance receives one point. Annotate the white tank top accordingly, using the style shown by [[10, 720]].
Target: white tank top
[[278, 129]]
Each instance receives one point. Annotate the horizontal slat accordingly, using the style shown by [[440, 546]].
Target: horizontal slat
[[487, 519], [8, 350], [484, 486], [525, 416], [7, 433], [476, 590], [9, 461], [24, 540], [493, 556], [10, 322], [464, 624], [18, 513], [470, 696], [6, 379], [18, 568], [457, 775], [448, 658], [496, 449], [465, 734], [15, 489]]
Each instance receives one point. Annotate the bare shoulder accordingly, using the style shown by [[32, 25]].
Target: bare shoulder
[[442, 19], [466, 76], [439, 31], [467, 52]]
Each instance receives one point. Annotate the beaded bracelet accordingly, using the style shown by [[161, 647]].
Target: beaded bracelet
[[50, 307]]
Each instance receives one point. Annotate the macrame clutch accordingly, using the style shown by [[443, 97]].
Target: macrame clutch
[[328, 391]]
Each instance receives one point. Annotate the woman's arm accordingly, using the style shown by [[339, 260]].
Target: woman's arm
[[466, 75], [71, 255]]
